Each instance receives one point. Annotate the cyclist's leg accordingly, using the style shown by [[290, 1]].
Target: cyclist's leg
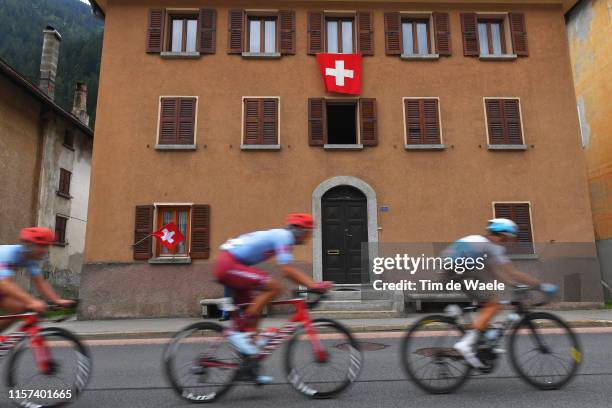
[[11, 306], [486, 314]]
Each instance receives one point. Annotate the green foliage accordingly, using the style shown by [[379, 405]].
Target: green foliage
[[21, 26]]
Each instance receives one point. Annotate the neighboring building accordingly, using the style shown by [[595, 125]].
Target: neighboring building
[[216, 118], [45, 164], [589, 30]]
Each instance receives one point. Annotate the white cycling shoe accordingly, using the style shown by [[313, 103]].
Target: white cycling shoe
[[465, 346], [243, 342]]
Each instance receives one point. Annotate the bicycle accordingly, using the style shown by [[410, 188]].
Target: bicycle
[[546, 338], [46, 362], [213, 366]]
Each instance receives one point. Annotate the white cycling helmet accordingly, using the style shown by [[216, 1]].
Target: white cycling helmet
[[503, 226]]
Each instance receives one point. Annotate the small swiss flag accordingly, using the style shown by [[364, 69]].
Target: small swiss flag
[[169, 236], [341, 72]]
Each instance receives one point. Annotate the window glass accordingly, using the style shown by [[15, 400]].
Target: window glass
[[270, 38], [496, 38], [422, 38], [483, 38], [177, 36], [182, 219], [167, 217], [407, 38], [332, 36], [347, 37], [192, 28], [255, 36]]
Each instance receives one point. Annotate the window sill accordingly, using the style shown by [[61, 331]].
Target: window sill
[[68, 146], [179, 55], [343, 146], [260, 147], [507, 147], [523, 256], [175, 147], [425, 147], [67, 196], [420, 57], [60, 244], [261, 55], [502, 57], [170, 260]]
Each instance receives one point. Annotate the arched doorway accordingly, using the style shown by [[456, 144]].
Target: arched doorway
[[344, 227]]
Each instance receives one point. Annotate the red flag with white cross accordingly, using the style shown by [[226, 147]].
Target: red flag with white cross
[[169, 236], [341, 72]]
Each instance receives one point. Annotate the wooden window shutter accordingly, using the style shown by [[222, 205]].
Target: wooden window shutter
[[519, 213], [155, 30], [365, 32], [431, 121], [393, 33], [413, 121], [287, 32], [469, 28], [235, 44], [512, 117], [143, 226], [208, 31], [200, 231], [518, 30], [442, 33], [186, 120], [315, 32], [168, 121], [316, 121], [64, 182], [252, 121], [368, 124], [495, 121], [269, 121]]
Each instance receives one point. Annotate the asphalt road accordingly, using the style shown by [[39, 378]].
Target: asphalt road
[[129, 375]]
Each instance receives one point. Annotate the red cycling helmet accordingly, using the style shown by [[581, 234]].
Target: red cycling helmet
[[300, 220], [36, 235]]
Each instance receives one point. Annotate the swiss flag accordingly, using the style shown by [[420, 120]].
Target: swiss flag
[[169, 236], [341, 72]]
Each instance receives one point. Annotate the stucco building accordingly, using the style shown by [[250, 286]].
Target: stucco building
[[213, 115], [589, 31], [45, 162]]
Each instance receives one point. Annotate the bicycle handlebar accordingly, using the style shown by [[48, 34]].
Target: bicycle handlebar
[[310, 303]]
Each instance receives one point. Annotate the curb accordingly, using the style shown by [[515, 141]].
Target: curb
[[354, 328]]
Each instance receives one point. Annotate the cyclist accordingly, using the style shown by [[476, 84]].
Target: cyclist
[[497, 266], [234, 269], [28, 255]]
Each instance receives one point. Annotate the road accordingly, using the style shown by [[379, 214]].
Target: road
[[127, 373]]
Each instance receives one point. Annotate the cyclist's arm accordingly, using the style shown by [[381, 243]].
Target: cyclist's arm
[[45, 289], [509, 272], [296, 275], [11, 289]]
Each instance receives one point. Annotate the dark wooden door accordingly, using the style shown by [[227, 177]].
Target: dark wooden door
[[345, 228]]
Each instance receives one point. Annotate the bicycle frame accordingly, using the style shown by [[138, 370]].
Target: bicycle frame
[[29, 328]]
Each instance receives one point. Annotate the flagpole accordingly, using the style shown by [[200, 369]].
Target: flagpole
[[150, 235]]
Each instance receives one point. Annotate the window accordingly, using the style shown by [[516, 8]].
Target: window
[[504, 123], [261, 120], [344, 122], [262, 35], [64, 183], [177, 118], [491, 37], [339, 35], [520, 213], [422, 117], [60, 229], [180, 217], [183, 33], [416, 37], [69, 139]]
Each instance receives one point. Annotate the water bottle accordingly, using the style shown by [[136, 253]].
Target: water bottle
[[265, 336]]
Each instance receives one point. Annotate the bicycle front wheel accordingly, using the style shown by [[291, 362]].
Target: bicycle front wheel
[[52, 374], [199, 362], [325, 369], [428, 355], [544, 351]]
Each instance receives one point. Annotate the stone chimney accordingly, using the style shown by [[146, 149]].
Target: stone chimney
[[79, 106], [48, 61]]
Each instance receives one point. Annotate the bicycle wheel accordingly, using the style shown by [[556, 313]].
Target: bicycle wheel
[[428, 356], [67, 375], [323, 376], [199, 362], [544, 351]]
